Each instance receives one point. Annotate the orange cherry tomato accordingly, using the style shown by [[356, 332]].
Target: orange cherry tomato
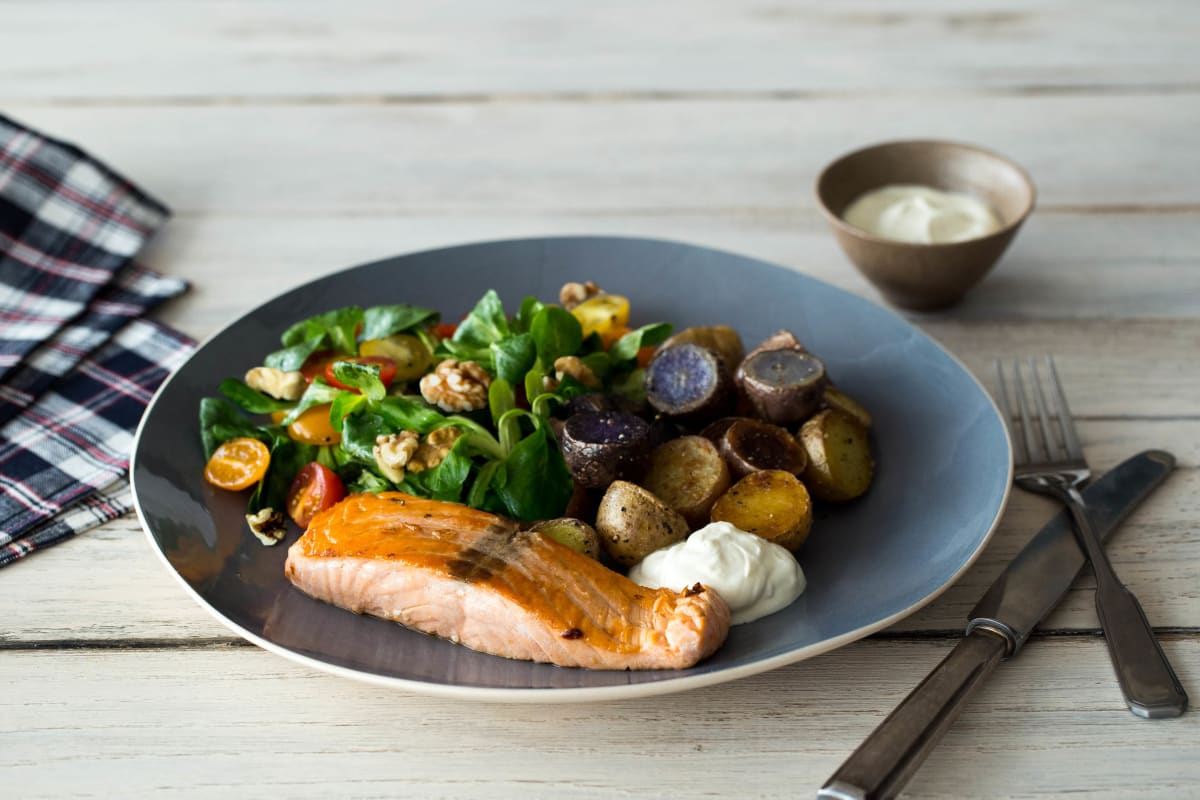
[[646, 355], [314, 427], [238, 464], [387, 370], [315, 488]]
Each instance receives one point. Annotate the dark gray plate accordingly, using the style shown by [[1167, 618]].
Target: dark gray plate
[[942, 452]]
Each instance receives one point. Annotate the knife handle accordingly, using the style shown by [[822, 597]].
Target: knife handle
[[884, 762]]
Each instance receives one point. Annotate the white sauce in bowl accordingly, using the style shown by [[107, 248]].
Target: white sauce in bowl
[[754, 576], [921, 215]]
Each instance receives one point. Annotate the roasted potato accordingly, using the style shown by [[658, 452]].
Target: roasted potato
[[721, 339], [840, 465], [772, 504], [633, 523], [690, 383], [749, 445], [836, 398], [782, 386], [602, 446], [688, 474], [574, 533]]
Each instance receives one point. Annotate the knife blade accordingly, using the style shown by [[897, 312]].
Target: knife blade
[[1000, 624]]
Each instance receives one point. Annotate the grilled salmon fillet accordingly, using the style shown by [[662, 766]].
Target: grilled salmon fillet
[[474, 578]]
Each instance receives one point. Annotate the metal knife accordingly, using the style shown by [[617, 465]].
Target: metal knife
[[1032, 584]]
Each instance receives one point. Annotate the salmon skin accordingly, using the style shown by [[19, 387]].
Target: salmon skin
[[474, 578]]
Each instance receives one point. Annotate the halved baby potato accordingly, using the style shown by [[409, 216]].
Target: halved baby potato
[[688, 474], [772, 504], [633, 523], [840, 465], [574, 533]]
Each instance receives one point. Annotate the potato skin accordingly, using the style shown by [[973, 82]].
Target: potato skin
[[601, 446], [574, 533], [836, 398], [750, 445], [688, 474], [721, 339], [633, 523], [840, 465], [772, 504]]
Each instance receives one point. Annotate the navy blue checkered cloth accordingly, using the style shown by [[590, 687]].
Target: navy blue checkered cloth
[[78, 362]]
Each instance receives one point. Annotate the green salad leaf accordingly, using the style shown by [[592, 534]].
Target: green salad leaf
[[249, 400], [364, 377], [404, 413], [382, 321], [538, 483], [556, 333], [513, 356], [334, 329], [359, 432], [626, 348]]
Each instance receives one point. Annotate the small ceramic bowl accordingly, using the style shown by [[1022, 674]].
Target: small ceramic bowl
[[925, 276]]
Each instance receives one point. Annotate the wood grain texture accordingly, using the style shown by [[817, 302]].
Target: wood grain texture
[[630, 157], [300, 52], [209, 721]]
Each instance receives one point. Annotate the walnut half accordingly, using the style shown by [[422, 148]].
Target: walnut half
[[393, 451], [434, 449], [277, 383], [457, 386], [572, 294], [267, 525]]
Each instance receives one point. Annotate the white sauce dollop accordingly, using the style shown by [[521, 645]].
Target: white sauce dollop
[[754, 576], [921, 215]]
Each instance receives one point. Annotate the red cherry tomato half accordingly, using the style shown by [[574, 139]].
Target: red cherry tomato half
[[445, 330], [387, 370], [315, 488]]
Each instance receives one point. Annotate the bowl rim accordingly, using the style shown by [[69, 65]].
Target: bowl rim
[[1005, 230]]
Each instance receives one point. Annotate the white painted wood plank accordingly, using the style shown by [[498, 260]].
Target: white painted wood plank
[[1062, 266], [612, 156], [107, 586], [315, 49], [210, 721]]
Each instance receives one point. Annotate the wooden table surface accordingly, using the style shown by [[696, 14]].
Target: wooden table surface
[[295, 138]]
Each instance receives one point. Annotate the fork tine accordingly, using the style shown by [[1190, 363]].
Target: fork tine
[[1009, 420], [1031, 449], [1065, 421], [1048, 438]]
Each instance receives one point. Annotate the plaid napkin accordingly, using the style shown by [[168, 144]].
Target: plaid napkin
[[78, 362]]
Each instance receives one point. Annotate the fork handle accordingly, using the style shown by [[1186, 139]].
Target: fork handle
[[1152, 689]]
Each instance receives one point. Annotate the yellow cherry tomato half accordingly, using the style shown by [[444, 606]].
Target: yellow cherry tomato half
[[238, 464], [410, 355], [602, 314], [314, 427]]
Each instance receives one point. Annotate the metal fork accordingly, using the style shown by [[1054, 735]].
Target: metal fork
[[1048, 459]]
